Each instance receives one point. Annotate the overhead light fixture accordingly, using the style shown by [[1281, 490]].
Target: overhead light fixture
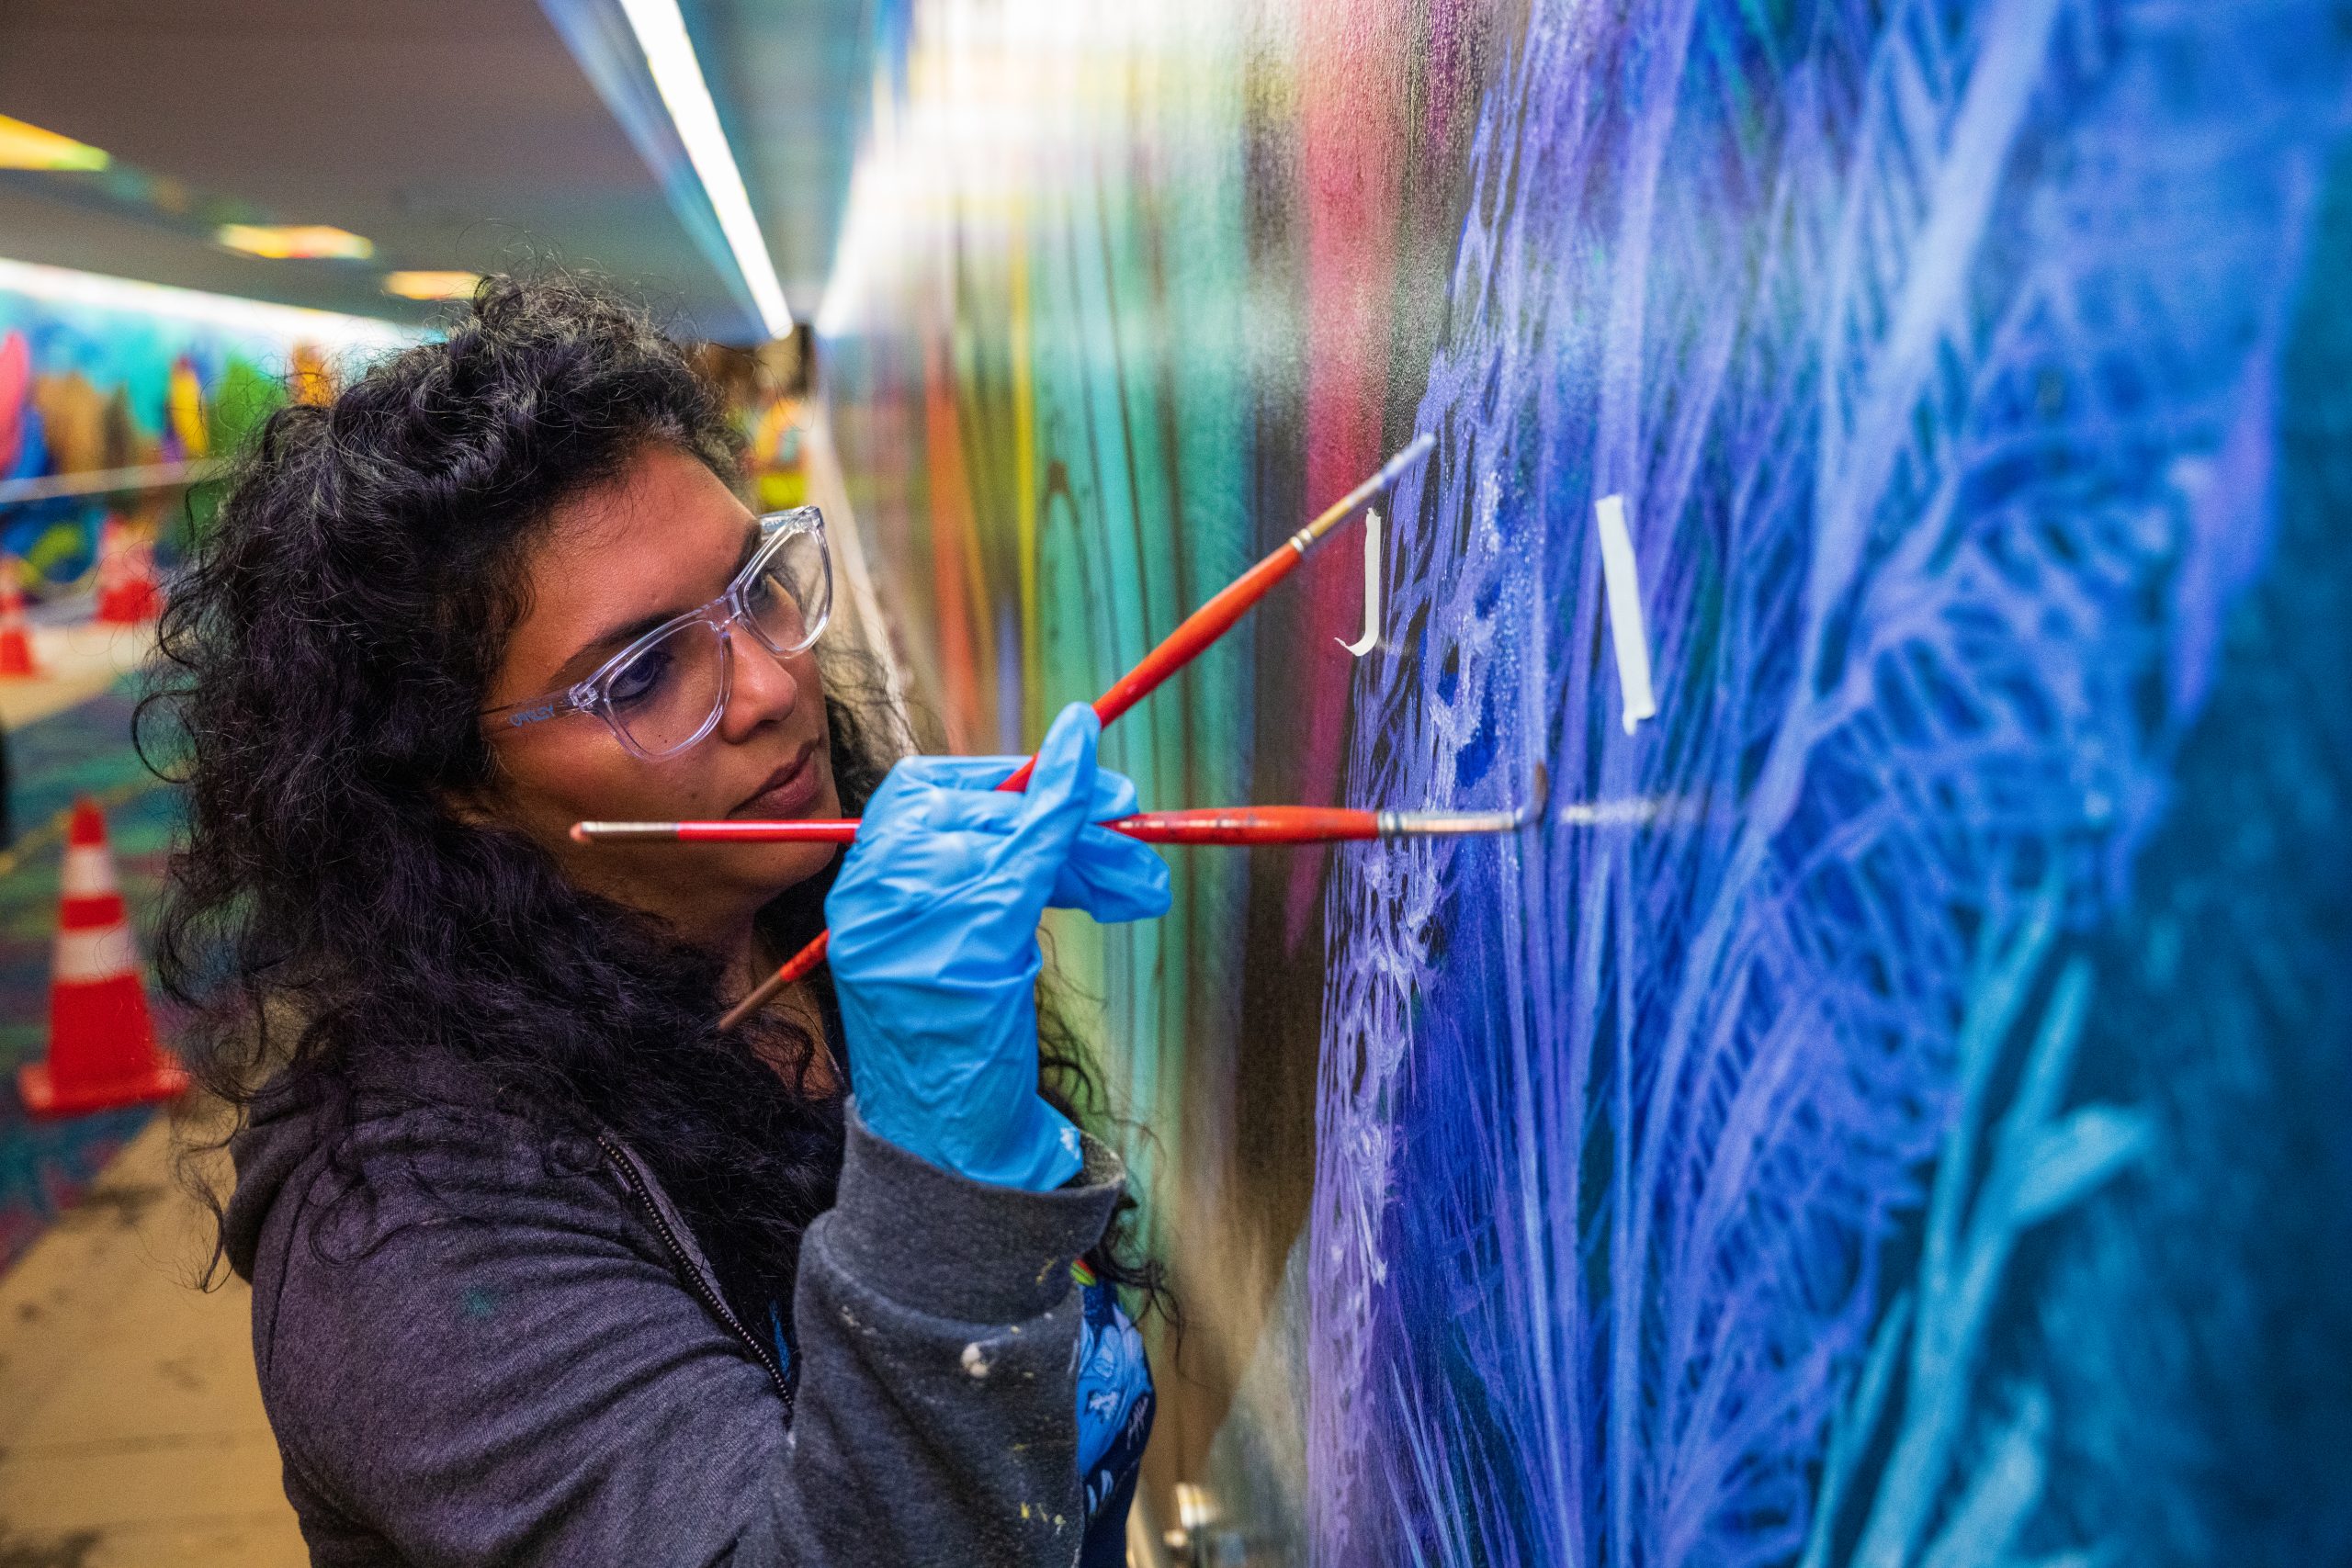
[[294, 242], [677, 76], [431, 284], [328, 329], [26, 146]]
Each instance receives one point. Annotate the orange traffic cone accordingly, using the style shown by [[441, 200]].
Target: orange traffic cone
[[129, 594], [102, 1050], [16, 638]]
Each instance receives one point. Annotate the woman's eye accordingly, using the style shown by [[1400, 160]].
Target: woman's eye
[[640, 677]]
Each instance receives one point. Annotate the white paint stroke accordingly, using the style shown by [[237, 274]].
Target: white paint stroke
[[1633, 812], [1363, 643], [1622, 579]]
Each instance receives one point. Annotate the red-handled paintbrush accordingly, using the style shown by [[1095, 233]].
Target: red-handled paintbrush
[[1215, 825]]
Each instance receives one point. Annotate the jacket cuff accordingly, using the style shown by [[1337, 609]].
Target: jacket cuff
[[941, 1243]]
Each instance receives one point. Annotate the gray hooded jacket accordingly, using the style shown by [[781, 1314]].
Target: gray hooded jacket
[[512, 1351]]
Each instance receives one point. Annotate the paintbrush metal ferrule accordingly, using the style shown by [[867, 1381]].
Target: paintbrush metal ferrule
[[1441, 824], [1339, 510], [604, 832]]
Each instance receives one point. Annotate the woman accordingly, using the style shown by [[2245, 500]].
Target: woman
[[545, 1269]]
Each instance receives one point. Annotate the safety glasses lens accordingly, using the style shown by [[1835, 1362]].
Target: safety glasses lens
[[667, 693], [790, 600]]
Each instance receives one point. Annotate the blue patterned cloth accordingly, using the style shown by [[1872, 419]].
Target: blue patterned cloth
[[1115, 1399]]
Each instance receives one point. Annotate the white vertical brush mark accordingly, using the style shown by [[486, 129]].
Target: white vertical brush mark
[[84, 956], [1623, 580], [89, 871], [1363, 643]]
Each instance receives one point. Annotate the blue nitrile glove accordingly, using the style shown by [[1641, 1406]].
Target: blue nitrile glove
[[934, 949]]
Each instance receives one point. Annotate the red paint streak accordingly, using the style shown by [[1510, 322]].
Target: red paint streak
[[1352, 138], [951, 531]]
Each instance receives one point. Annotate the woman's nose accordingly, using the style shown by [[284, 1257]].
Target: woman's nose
[[762, 688]]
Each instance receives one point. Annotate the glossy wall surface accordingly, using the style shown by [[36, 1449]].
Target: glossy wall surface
[[1890, 1111]]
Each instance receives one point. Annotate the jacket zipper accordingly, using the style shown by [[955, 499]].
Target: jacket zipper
[[703, 1288]]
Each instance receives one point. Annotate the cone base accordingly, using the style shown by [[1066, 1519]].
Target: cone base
[[163, 1078]]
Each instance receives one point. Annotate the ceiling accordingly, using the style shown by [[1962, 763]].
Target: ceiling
[[455, 134], [792, 79]]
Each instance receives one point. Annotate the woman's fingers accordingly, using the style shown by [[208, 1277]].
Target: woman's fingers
[[959, 773], [1113, 878], [947, 829], [991, 811], [1062, 785], [1108, 875], [1114, 796], [967, 811], [1113, 793], [1053, 808]]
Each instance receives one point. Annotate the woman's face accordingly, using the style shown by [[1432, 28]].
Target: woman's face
[[665, 538]]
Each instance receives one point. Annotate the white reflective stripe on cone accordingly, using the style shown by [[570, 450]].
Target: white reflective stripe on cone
[[89, 870], [94, 955]]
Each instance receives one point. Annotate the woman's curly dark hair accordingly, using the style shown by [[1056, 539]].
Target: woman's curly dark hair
[[329, 646]]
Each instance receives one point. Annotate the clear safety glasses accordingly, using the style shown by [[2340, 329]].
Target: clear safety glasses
[[665, 690]]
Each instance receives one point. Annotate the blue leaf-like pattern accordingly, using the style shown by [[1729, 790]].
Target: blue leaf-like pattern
[[1932, 348]]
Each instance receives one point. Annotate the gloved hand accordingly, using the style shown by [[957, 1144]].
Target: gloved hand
[[934, 946]]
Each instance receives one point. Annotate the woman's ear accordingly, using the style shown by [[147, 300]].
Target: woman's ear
[[469, 806]]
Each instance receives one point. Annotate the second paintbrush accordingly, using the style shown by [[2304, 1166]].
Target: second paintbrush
[[1217, 825]]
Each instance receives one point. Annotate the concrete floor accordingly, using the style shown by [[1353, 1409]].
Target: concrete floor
[[131, 1431], [77, 661]]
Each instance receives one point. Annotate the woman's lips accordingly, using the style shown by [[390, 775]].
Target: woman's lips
[[790, 791]]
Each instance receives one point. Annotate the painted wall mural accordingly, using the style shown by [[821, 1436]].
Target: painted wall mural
[[98, 375], [1891, 1111]]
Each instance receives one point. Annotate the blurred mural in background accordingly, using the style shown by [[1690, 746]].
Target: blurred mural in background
[[1892, 1112], [125, 381], [90, 388], [114, 396]]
